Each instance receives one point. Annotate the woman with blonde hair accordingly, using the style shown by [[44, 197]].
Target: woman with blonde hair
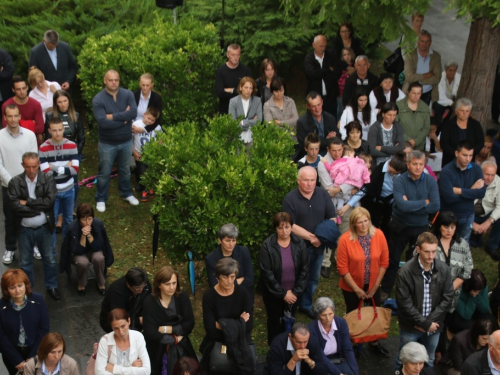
[[362, 259], [41, 89]]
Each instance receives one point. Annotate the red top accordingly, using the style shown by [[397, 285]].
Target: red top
[[32, 110]]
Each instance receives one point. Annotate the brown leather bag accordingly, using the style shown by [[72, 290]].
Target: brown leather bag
[[368, 323]]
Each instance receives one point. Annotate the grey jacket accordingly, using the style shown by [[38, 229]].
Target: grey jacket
[[375, 139]]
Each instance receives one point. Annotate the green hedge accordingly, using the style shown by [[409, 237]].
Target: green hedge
[[182, 58], [204, 178]]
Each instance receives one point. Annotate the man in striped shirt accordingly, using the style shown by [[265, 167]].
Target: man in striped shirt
[[59, 157]]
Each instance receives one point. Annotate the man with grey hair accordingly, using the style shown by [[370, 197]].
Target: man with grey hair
[[363, 78], [484, 361], [228, 76], [295, 353], [323, 72], [55, 60], [309, 205], [487, 212], [416, 196], [424, 65]]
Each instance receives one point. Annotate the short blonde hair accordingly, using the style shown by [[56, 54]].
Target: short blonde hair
[[356, 214], [34, 75]]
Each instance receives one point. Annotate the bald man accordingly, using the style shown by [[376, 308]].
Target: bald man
[[309, 205], [323, 71], [114, 111]]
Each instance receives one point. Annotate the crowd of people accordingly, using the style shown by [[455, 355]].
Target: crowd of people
[[384, 163]]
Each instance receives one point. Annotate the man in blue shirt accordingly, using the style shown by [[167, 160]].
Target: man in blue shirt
[[462, 182], [114, 111], [416, 196]]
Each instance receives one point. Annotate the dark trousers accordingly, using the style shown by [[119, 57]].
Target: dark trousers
[[400, 236], [352, 300], [275, 308], [330, 105], [10, 230], [427, 97], [439, 111], [140, 168], [11, 367], [381, 215]]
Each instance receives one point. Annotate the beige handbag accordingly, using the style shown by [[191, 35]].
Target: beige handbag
[[368, 323]]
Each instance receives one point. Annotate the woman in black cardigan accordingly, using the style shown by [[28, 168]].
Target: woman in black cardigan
[[168, 320], [278, 292], [460, 128]]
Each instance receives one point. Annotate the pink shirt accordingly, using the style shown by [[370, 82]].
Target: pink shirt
[[331, 342]]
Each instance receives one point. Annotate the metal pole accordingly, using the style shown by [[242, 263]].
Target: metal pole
[[175, 16]]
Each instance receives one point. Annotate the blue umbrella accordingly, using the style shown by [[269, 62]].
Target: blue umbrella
[[190, 270]]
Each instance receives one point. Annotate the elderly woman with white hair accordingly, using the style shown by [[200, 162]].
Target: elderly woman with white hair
[[414, 356], [448, 88], [460, 128], [332, 334]]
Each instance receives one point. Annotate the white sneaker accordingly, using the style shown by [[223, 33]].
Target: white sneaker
[[100, 206], [8, 257], [36, 253], [132, 200]]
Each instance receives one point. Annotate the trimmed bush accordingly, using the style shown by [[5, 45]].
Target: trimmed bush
[[203, 178], [182, 58]]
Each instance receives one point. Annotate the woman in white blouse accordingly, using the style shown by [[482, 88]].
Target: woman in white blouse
[[246, 107], [122, 351], [358, 109], [42, 90], [385, 93]]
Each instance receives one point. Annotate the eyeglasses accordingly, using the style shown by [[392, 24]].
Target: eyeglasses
[[139, 288]]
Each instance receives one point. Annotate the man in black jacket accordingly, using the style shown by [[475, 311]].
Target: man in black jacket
[[484, 362], [289, 350], [323, 72], [32, 195], [55, 60], [424, 292], [315, 120], [362, 78], [128, 293]]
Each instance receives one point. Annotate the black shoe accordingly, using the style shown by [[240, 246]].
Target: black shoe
[[81, 292], [102, 291], [494, 254], [54, 293], [325, 272], [311, 314], [380, 349], [58, 229]]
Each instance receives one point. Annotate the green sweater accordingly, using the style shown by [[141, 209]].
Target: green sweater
[[416, 124], [468, 304]]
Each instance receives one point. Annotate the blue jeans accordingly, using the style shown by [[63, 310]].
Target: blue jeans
[[464, 226], [429, 341], [315, 260], [42, 237], [108, 154], [10, 230], [64, 204]]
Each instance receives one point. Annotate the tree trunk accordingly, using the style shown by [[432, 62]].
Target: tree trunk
[[478, 74]]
